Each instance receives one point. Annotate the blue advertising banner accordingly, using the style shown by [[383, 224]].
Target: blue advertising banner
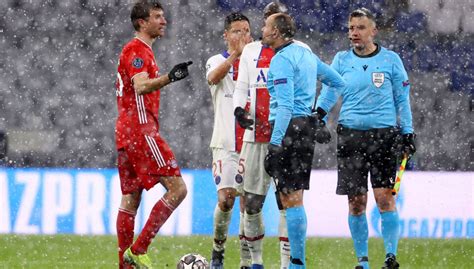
[[85, 201]]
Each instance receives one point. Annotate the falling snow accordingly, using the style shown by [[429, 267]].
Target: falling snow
[[59, 59]]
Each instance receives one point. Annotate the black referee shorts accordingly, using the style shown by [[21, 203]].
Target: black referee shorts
[[360, 153], [297, 156]]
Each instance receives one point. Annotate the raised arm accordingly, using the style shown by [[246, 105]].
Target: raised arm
[[143, 84]]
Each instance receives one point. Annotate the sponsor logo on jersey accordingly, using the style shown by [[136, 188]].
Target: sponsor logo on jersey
[[378, 79], [137, 63], [280, 81], [405, 83], [261, 58], [261, 76], [258, 85]]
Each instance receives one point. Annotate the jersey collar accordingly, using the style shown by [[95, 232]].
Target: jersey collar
[[141, 40], [283, 46], [375, 52]]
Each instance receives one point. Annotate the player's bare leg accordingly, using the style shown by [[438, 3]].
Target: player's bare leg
[[390, 225], [222, 216]]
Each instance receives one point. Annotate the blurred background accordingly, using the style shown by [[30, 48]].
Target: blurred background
[[58, 64]]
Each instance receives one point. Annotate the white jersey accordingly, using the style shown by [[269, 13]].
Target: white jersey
[[227, 134], [251, 87]]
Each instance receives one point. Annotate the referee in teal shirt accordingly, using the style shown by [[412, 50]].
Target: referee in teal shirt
[[292, 78], [374, 127]]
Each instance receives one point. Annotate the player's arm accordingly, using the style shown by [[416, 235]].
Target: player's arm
[[283, 83], [235, 50], [219, 73], [243, 82], [329, 94], [330, 76], [241, 93], [143, 84], [401, 94]]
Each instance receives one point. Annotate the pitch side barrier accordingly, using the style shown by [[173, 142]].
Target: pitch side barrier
[[85, 201]]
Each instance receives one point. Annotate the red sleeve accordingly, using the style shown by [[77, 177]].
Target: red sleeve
[[137, 62]]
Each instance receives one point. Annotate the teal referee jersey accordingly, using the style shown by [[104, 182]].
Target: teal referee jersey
[[376, 94], [292, 79]]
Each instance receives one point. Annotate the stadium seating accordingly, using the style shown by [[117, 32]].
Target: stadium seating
[[413, 22], [59, 61]]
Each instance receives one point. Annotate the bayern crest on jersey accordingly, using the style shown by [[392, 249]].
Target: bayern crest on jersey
[[378, 79]]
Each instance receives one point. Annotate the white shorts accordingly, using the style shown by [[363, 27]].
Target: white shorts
[[256, 179], [225, 169]]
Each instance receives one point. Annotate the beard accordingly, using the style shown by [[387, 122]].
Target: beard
[[156, 33]]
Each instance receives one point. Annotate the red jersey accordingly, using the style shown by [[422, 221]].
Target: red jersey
[[137, 114]]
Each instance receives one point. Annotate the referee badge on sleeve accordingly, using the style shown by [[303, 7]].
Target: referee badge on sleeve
[[378, 79]]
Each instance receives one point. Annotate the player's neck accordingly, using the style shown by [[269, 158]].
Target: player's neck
[[145, 38], [281, 43], [366, 50]]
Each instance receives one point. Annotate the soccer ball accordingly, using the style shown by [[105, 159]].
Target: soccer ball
[[192, 261]]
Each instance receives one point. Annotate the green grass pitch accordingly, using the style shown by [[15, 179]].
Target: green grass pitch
[[72, 251]]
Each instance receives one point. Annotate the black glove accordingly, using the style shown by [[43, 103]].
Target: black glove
[[242, 118], [408, 144], [272, 160], [323, 136], [179, 71]]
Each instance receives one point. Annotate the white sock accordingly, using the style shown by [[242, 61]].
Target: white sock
[[284, 242], [254, 232], [221, 228], [245, 258]]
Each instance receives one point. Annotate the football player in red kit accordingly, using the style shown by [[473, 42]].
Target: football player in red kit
[[144, 157]]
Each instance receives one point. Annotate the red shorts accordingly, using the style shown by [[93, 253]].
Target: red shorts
[[143, 162]]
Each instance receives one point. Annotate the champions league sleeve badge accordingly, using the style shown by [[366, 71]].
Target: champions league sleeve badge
[[137, 63], [378, 79]]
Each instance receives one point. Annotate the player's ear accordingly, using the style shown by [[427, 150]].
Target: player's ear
[[141, 22], [375, 30]]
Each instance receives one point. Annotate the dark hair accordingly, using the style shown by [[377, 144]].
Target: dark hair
[[285, 25], [362, 12], [141, 10], [273, 8], [234, 16]]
